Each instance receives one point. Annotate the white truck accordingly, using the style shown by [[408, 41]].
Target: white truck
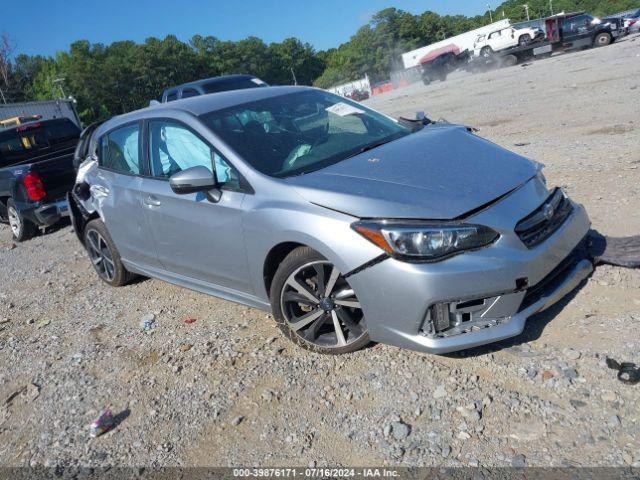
[[462, 42], [500, 39]]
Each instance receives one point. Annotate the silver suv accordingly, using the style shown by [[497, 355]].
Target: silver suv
[[347, 225]]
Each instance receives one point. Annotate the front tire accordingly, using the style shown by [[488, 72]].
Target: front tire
[[314, 305], [22, 228], [104, 255], [602, 40]]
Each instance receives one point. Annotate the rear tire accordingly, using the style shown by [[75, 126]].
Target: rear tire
[[22, 228], [510, 60], [104, 255], [602, 40], [315, 307], [486, 52]]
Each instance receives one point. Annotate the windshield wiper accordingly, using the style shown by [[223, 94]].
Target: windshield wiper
[[371, 146]]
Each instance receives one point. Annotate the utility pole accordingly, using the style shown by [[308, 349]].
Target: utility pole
[[526, 7], [551, 6], [59, 82], [490, 13]]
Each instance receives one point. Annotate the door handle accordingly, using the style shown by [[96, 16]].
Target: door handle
[[152, 201]]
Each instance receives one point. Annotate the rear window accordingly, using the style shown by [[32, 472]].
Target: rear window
[[189, 92], [232, 84], [25, 141]]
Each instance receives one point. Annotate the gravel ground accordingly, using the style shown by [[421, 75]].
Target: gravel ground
[[229, 390]]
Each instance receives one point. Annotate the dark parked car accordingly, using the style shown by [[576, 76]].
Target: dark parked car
[[36, 171], [358, 95], [580, 30], [441, 66], [211, 85]]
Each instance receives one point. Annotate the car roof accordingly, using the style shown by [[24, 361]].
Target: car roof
[[202, 104]]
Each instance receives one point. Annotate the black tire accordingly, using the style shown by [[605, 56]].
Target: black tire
[[22, 228], [486, 52], [356, 336], [109, 268], [510, 60], [524, 40], [602, 40], [426, 80]]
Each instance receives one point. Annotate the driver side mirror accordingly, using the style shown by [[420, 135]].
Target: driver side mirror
[[194, 180]]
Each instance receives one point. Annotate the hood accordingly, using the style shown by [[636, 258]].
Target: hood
[[438, 173]]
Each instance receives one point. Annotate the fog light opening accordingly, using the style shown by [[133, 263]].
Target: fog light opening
[[447, 319]]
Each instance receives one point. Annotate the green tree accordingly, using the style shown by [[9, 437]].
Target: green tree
[[122, 76]]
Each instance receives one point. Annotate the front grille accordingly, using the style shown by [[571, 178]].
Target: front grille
[[545, 220], [556, 276]]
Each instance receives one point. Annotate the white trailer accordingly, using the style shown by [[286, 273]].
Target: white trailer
[[463, 42], [346, 88]]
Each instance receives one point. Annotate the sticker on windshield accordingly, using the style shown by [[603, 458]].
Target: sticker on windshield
[[343, 109], [257, 81]]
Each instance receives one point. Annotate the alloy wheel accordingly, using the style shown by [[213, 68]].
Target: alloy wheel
[[101, 255], [319, 306], [14, 221]]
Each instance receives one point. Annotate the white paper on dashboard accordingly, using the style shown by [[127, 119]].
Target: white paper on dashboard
[[343, 109]]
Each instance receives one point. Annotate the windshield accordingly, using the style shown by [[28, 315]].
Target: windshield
[[301, 132]]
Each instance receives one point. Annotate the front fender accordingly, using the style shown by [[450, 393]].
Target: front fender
[[326, 231]]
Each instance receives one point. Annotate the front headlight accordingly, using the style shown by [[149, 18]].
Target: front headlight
[[423, 241]]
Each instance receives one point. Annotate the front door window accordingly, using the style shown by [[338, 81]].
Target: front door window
[[173, 148]]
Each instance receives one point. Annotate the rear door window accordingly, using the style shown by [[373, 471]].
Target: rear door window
[[120, 150]]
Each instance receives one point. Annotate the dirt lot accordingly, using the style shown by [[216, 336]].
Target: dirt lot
[[230, 390]]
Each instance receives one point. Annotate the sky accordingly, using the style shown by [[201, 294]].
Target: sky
[[46, 26]]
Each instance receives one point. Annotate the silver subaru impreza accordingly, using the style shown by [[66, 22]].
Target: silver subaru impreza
[[349, 226]]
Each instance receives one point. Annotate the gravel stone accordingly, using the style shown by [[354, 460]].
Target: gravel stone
[[400, 430], [440, 392], [519, 461], [237, 420]]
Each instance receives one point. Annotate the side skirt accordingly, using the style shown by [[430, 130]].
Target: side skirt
[[199, 286]]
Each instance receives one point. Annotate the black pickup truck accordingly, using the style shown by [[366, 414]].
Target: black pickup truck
[[36, 172]]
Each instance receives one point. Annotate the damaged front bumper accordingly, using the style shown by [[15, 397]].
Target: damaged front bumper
[[479, 297], [497, 321]]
